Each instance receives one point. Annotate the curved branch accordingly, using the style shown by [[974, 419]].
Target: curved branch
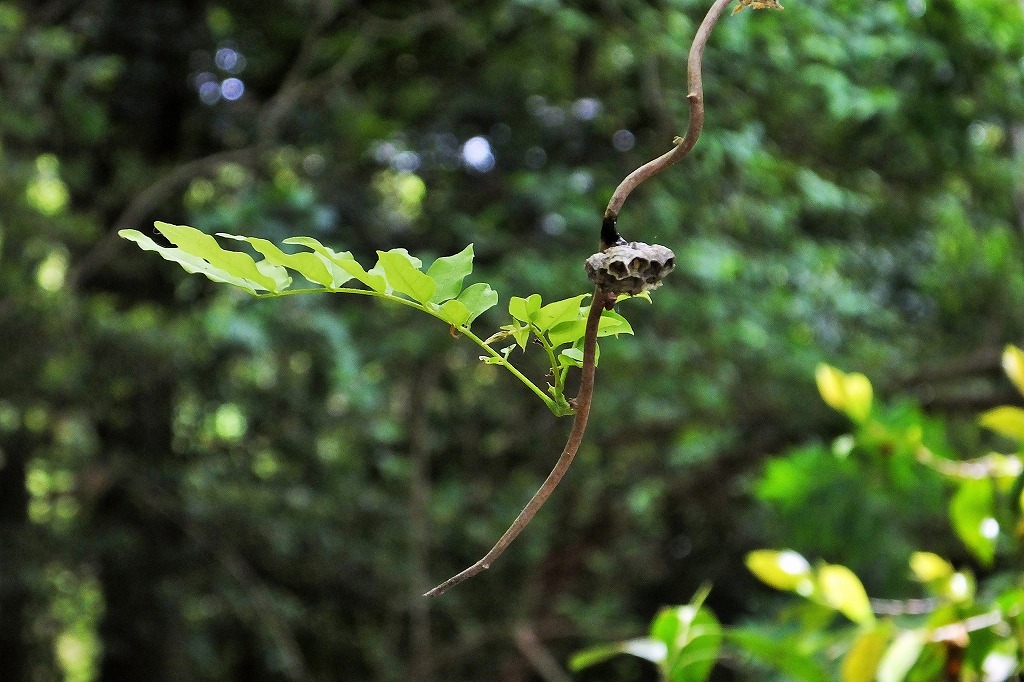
[[572, 445], [696, 98]]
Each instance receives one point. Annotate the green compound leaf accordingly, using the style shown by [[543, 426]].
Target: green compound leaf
[[478, 298], [448, 273], [333, 259], [309, 265], [524, 309], [403, 275], [190, 263]]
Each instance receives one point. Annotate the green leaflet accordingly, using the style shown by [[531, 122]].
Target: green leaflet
[[448, 272], [309, 265], [402, 274]]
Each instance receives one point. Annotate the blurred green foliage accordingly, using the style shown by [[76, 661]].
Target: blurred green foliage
[[197, 486]]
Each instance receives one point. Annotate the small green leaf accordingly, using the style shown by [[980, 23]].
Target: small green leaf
[[567, 332], [1006, 420], [234, 263], [841, 589], [309, 265], [524, 309], [191, 264], [552, 314], [448, 273], [454, 312], [1013, 365], [972, 512], [861, 661], [478, 298], [901, 656], [403, 276], [331, 258], [785, 570], [571, 357], [613, 324], [693, 637], [848, 393]]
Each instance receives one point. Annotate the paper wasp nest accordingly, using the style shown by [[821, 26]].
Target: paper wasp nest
[[630, 268]]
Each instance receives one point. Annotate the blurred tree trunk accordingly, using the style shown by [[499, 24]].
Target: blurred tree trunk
[[13, 531]]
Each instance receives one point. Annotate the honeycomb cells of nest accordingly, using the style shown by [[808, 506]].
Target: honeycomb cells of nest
[[630, 268]]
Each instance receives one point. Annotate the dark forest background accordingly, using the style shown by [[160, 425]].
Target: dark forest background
[[198, 486]]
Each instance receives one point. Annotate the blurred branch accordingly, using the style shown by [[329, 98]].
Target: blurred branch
[[572, 445], [147, 200], [696, 98], [543, 662]]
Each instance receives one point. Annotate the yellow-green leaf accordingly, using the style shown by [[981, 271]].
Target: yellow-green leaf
[[928, 567], [861, 661], [785, 570], [1013, 364], [901, 656], [843, 591], [234, 263], [331, 258], [307, 264], [403, 276], [848, 393], [1006, 420]]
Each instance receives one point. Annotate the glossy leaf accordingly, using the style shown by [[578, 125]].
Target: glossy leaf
[[848, 393], [972, 512], [1006, 420], [448, 272], [403, 276], [613, 324], [1013, 365], [478, 298], [307, 264], [785, 570], [841, 589]]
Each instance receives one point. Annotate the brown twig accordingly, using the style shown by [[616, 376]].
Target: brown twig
[[696, 98], [572, 445]]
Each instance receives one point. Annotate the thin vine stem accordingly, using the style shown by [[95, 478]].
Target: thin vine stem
[[696, 124], [572, 446], [501, 359]]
